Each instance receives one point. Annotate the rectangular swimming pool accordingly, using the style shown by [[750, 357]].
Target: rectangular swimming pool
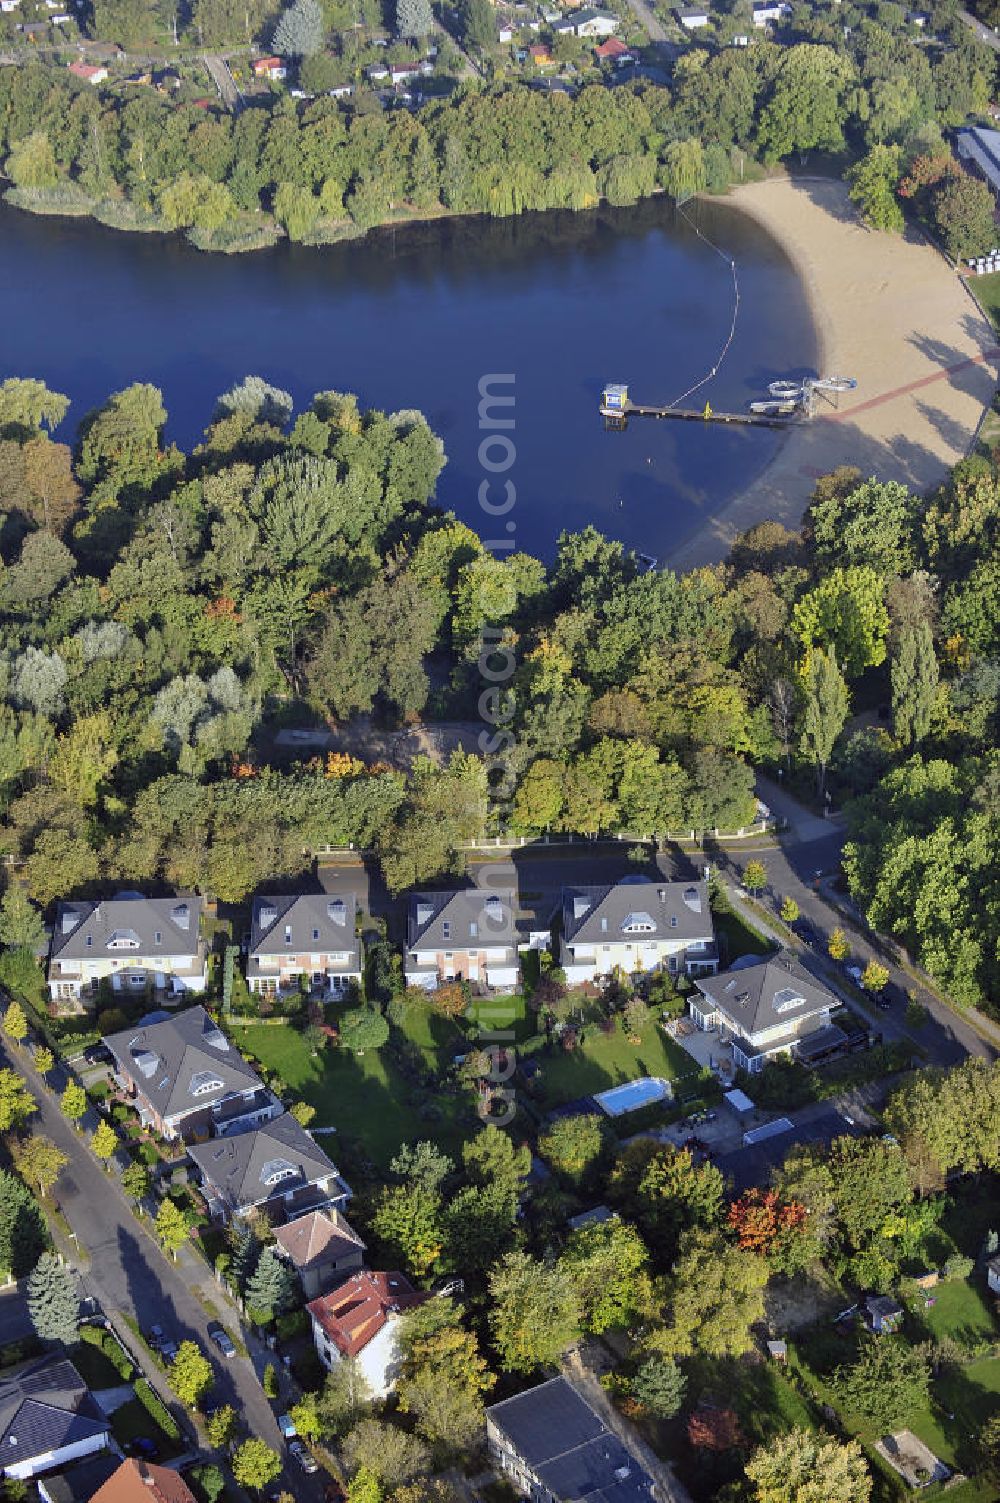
[[633, 1094]]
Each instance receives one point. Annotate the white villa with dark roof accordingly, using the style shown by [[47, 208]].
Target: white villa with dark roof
[[311, 935], [187, 1080], [277, 1169], [132, 941], [637, 927], [462, 936], [763, 1010]]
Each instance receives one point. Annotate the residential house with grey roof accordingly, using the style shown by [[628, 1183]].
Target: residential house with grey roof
[[774, 1007], [137, 943], [554, 1448], [48, 1418], [637, 927], [462, 936], [277, 1169], [309, 934], [186, 1079]]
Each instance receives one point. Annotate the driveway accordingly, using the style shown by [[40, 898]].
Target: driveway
[[131, 1276]]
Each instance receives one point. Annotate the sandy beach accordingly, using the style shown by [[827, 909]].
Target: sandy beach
[[889, 311]]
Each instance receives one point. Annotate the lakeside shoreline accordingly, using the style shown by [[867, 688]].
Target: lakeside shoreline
[[887, 310]]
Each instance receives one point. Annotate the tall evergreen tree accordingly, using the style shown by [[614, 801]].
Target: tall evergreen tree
[[826, 705], [414, 18], [53, 1297], [300, 30], [914, 684], [272, 1286]]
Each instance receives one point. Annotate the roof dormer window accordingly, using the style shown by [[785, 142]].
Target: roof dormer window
[[288, 934], [123, 939]]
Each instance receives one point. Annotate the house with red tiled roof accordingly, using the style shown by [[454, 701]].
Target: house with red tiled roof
[[140, 1482], [322, 1247], [360, 1320], [614, 51], [89, 72], [269, 67]]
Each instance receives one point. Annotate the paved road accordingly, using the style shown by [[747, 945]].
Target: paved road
[[128, 1273], [982, 33], [643, 13], [800, 866]]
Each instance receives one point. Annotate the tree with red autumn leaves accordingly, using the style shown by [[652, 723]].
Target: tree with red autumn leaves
[[714, 1430], [761, 1220]]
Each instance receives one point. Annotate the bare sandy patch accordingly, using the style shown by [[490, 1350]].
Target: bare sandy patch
[[888, 311]]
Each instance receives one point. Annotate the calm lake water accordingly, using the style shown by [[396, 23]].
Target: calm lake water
[[414, 318]]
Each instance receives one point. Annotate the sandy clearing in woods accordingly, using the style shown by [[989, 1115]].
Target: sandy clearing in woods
[[888, 311]]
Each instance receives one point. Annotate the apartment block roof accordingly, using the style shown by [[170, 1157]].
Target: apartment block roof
[[567, 1446]]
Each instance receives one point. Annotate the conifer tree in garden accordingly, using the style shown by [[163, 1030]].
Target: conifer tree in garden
[[53, 1298]]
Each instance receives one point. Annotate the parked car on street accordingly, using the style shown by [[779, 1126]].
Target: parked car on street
[[306, 1462], [287, 1426], [222, 1341]]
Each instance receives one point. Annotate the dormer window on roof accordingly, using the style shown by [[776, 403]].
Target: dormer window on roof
[[638, 923], [123, 939], [146, 1061], [288, 934], [204, 1083], [787, 999], [276, 1170]]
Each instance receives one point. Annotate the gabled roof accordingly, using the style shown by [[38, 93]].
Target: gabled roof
[[45, 1407], [320, 1237], [469, 919], [316, 921], [270, 1160], [127, 924], [634, 912], [141, 1482], [183, 1063], [354, 1313], [613, 47], [778, 992], [567, 1446]]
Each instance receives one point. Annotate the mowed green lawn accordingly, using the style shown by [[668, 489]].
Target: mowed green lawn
[[960, 1310], [610, 1059], [363, 1096]]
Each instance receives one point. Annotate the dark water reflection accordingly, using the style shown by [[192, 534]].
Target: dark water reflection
[[414, 318]]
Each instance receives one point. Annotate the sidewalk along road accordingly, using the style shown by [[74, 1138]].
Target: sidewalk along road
[[129, 1273]]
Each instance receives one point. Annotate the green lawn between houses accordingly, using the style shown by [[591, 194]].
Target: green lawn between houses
[[368, 1098], [363, 1095]]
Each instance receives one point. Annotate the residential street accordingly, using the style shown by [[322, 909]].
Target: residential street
[[130, 1275], [806, 855]]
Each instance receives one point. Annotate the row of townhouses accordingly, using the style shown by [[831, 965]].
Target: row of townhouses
[[632, 928], [137, 943]]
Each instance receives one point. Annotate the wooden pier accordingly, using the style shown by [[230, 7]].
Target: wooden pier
[[700, 415]]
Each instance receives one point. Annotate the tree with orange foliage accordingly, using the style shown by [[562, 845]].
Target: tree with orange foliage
[[774, 1228], [714, 1430], [452, 999]]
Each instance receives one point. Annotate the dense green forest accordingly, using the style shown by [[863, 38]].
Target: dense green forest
[[322, 168], [164, 614]]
